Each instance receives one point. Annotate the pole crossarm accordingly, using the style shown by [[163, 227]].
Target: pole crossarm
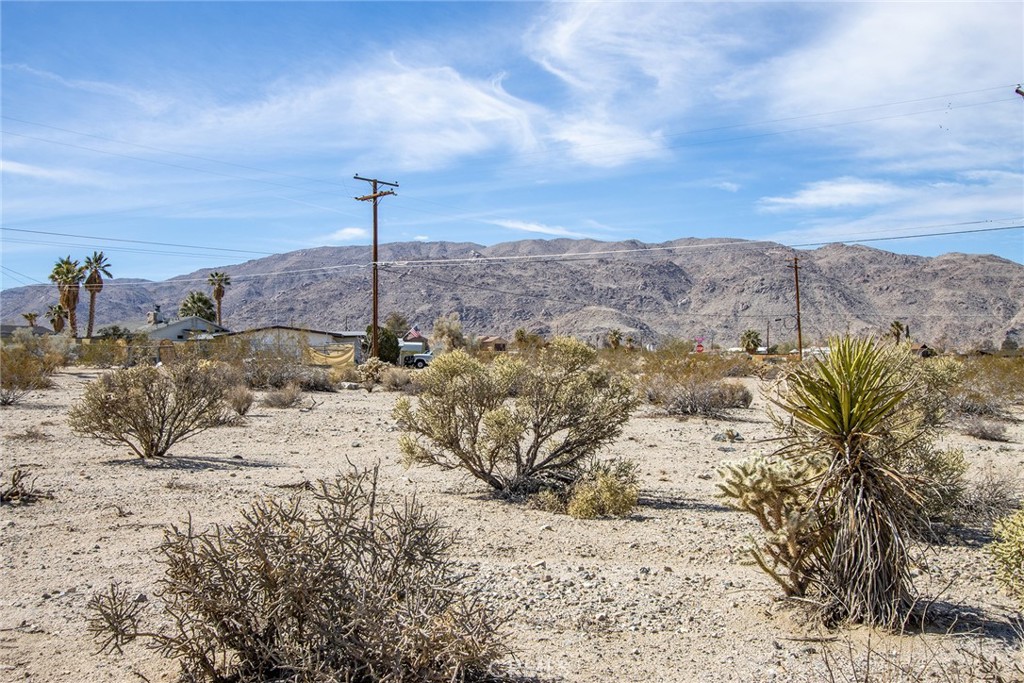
[[375, 195]]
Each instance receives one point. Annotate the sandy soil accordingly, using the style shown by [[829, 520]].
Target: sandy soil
[[660, 596]]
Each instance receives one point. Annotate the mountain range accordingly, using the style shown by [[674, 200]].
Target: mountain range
[[712, 289]]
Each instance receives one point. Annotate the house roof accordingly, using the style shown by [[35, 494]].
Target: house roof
[[491, 339], [192, 322], [289, 328]]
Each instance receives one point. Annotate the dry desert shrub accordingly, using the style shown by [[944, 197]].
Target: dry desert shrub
[[240, 398], [327, 585], [519, 424], [987, 430], [21, 490], [286, 397], [990, 385], [989, 497], [397, 379], [608, 488], [694, 385], [21, 373], [149, 409]]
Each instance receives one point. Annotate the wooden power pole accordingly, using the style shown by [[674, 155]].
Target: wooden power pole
[[799, 333], [375, 195]]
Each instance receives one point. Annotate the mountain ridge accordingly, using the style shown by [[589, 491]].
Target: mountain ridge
[[688, 287]]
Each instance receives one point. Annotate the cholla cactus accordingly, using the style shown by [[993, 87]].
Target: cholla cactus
[[775, 491], [1008, 552]]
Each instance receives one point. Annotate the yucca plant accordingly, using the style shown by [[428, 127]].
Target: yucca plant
[[845, 409]]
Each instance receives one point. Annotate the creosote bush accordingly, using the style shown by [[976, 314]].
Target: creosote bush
[[149, 409], [519, 424], [1008, 552], [21, 372], [326, 585]]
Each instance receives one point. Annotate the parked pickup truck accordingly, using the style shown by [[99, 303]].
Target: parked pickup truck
[[418, 360]]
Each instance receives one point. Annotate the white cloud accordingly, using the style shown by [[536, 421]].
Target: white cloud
[[540, 228], [150, 102], [832, 194], [860, 56], [726, 186], [421, 238], [972, 201], [605, 145], [56, 175], [346, 235]]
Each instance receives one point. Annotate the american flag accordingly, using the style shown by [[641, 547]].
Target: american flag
[[414, 333]]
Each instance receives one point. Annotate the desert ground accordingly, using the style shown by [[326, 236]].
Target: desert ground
[[663, 595]]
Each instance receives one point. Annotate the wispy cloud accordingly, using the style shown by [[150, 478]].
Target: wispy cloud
[[540, 228], [832, 194], [345, 235], [16, 168], [149, 102], [974, 200]]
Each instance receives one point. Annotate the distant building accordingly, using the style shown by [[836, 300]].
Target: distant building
[[7, 331], [181, 329], [491, 343]]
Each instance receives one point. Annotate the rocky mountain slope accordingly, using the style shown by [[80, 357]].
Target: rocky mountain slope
[[710, 288]]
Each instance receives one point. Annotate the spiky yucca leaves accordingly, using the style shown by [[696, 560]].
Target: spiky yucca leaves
[[778, 493], [846, 409], [518, 426]]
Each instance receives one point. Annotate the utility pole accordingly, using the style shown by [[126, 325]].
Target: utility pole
[[375, 196], [796, 278]]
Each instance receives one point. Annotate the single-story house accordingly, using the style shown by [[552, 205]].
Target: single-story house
[[180, 329], [492, 343], [326, 348]]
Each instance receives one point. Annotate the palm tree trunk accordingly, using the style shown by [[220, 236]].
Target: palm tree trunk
[[92, 314]]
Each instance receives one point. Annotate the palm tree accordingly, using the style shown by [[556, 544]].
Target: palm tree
[[218, 281], [199, 305], [56, 314], [750, 341], [96, 266], [898, 330], [30, 318], [614, 338], [67, 274]]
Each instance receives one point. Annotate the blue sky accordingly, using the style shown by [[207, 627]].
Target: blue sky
[[240, 125]]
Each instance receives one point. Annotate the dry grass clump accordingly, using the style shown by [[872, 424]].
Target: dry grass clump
[[520, 426], [286, 397], [149, 409], [399, 379], [987, 430], [1008, 552], [327, 585], [240, 398]]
